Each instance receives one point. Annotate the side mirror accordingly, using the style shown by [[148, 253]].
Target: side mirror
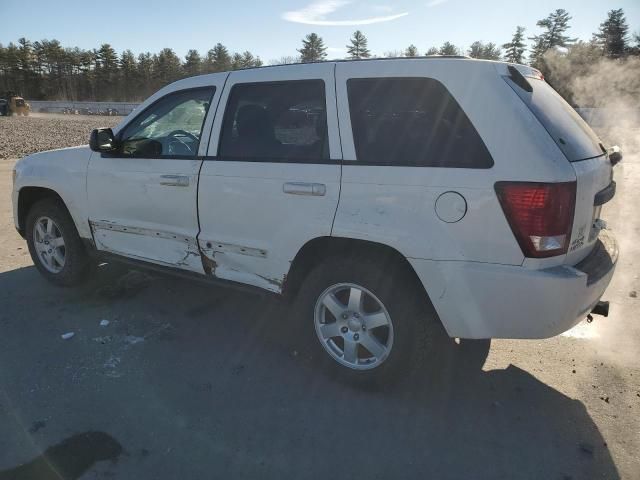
[[102, 140], [615, 154]]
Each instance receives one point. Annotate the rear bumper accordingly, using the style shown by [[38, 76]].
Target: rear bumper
[[479, 300]]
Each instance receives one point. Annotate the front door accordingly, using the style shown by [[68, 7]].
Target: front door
[[142, 199]]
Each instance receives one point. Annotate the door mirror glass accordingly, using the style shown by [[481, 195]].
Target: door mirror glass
[[102, 140]]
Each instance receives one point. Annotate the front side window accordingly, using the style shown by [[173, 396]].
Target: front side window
[[276, 121], [412, 122], [170, 127]]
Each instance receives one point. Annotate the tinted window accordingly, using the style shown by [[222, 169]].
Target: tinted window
[[280, 120], [170, 127], [570, 132], [412, 122]]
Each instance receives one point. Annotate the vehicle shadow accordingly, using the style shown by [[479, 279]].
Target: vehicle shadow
[[228, 384], [68, 459]]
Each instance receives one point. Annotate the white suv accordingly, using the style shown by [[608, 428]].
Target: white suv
[[389, 198]]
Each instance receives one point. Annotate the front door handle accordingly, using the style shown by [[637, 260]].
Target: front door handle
[[174, 180], [299, 188]]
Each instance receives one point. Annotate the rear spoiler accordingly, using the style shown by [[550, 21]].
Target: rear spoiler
[[519, 79]]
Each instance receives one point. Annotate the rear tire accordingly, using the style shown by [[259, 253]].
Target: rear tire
[[54, 244], [394, 330]]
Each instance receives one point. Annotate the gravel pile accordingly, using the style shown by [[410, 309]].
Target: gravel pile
[[20, 136]]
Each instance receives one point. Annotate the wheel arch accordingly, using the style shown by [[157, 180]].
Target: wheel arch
[[28, 197], [312, 253]]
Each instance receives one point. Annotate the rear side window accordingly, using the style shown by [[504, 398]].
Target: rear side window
[[570, 132], [412, 122], [276, 121]]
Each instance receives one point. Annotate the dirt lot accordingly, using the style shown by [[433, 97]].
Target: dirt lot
[[20, 136], [188, 381]]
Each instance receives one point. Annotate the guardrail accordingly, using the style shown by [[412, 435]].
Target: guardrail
[[55, 106]]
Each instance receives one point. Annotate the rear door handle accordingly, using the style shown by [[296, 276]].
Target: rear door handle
[[300, 188], [174, 180]]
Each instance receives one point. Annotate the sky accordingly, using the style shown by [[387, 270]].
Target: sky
[[273, 29]]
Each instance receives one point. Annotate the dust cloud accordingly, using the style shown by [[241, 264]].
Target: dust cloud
[[607, 94]]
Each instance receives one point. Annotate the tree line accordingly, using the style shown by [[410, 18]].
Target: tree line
[[46, 70]]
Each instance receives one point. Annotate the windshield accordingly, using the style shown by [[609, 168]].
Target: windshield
[[567, 128]]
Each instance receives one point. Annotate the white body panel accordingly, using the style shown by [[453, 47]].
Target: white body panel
[[481, 300], [251, 229], [133, 214], [235, 220], [65, 172], [396, 205]]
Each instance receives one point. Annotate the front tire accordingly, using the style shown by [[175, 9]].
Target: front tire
[[365, 321], [54, 244]]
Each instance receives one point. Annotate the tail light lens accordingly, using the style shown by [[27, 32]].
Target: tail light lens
[[539, 214]]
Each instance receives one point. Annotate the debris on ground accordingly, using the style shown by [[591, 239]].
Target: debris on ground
[[633, 294], [103, 340], [104, 323], [132, 339], [68, 335]]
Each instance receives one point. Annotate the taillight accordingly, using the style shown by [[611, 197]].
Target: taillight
[[539, 214]]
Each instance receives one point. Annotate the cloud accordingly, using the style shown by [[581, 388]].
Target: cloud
[[316, 13], [433, 3]]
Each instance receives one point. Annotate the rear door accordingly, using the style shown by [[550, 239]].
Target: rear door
[[142, 198], [271, 180], [581, 147]]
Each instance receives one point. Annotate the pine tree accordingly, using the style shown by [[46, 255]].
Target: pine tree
[[433, 51], [144, 75], [411, 51], [218, 59], [236, 61], [612, 36], [488, 51], [555, 26], [128, 75], [167, 67], [448, 48], [313, 49], [192, 63], [514, 50], [358, 48], [106, 72]]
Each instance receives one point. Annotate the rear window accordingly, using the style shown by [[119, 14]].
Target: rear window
[[567, 128], [412, 122]]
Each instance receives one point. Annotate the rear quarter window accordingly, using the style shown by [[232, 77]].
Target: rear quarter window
[[412, 122], [567, 128]]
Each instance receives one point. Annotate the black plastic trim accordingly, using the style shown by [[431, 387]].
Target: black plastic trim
[[308, 161], [604, 195], [600, 261]]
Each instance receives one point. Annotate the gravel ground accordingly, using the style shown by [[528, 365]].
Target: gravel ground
[[20, 136], [189, 381]]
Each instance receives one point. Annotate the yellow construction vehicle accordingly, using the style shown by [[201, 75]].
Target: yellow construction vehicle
[[14, 103]]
